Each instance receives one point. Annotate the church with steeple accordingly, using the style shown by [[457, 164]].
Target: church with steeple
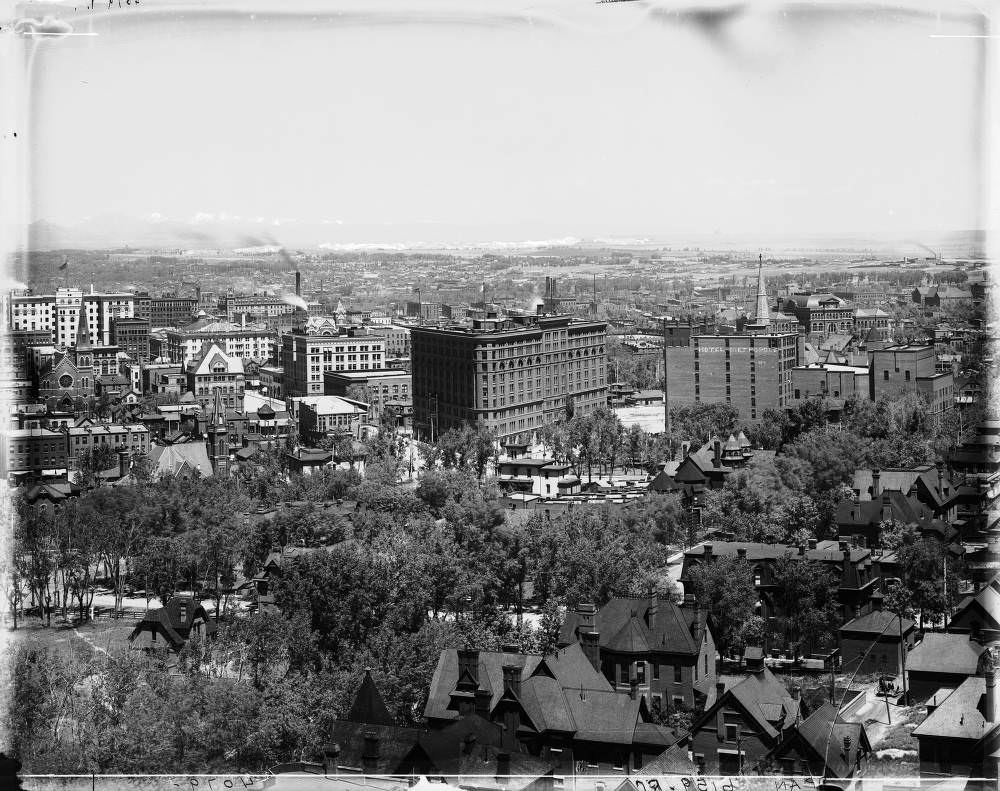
[[749, 370], [70, 374]]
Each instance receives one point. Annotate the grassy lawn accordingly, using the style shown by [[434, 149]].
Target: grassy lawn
[[100, 635]]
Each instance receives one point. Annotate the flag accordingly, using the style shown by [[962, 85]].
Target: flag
[[65, 263]]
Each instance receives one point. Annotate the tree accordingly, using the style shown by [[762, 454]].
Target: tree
[[699, 422], [93, 461], [725, 586], [806, 597]]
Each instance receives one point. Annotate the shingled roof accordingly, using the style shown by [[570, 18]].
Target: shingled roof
[[824, 732], [560, 693], [628, 625], [945, 653]]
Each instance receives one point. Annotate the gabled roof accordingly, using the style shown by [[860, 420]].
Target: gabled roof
[[560, 693], [762, 697], [958, 716], [212, 354], [673, 761], [766, 700], [945, 653], [181, 459], [824, 732], [878, 622], [368, 706], [626, 625]]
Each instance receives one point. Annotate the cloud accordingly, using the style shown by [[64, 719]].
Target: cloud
[[47, 26], [203, 216]]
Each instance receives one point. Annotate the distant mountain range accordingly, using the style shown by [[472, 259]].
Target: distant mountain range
[[113, 231]]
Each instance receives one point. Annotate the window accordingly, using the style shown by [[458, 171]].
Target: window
[[732, 732], [640, 672], [656, 670], [706, 664], [623, 674], [885, 375], [677, 674]]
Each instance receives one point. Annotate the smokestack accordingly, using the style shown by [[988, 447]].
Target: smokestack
[[876, 475], [298, 283]]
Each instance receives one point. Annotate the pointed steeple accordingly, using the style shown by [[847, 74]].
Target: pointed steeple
[[82, 328], [218, 412], [763, 317]]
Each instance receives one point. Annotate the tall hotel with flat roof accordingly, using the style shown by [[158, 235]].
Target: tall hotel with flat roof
[[513, 375], [749, 370]]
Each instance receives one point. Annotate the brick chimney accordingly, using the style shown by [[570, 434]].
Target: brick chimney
[[592, 648], [717, 457], [876, 489], [512, 679], [698, 626], [812, 543], [586, 613], [503, 767], [802, 550], [369, 759], [707, 549], [468, 663], [654, 610], [741, 552], [483, 698], [123, 463], [685, 449]]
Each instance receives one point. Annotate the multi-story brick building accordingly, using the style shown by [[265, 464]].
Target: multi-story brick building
[[820, 314], [385, 387], [257, 305], [667, 651], [306, 356], [512, 375], [750, 370], [132, 337], [215, 370], [910, 368], [90, 433], [237, 340], [828, 380], [172, 311], [30, 451], [60, 313], [397, 339]]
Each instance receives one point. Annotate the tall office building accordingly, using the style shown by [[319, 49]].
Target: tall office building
[[307, 355], [750, 370], [59, 314], [512, 375]]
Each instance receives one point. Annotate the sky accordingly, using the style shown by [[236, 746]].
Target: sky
[[518, 120]]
